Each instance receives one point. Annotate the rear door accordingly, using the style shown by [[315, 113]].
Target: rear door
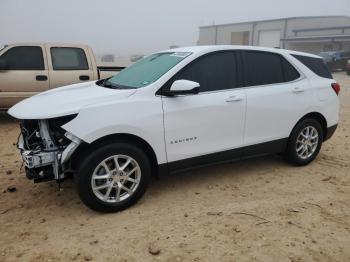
[[207, 126], [277, 97], [69, 65], [27, 73]]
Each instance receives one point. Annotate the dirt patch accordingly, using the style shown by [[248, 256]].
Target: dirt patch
[[256, 210]]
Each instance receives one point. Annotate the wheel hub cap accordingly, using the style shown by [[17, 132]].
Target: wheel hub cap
[[307, 142], [116, 178]]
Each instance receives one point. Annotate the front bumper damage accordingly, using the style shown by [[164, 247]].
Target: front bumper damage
[[50, 161]]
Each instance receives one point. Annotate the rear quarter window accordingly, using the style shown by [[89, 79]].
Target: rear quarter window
[[316, 65]]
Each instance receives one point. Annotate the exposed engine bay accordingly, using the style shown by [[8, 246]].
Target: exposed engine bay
[[46, 148]]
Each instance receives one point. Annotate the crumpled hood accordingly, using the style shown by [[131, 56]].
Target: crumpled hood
[[66, 100]]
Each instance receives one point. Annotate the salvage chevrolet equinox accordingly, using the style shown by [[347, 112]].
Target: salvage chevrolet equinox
[[176, 110]]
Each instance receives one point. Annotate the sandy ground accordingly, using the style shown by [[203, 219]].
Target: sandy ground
[[255, 210]]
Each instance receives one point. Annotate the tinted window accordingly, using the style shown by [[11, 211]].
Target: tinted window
[[68, 58], [316, 65], [213, 72], [262, 68], [24, 58], [290, 73]]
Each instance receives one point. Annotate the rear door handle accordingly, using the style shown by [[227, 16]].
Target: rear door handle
[[234, 99], [84, 77], [41, 78], [298, 90]]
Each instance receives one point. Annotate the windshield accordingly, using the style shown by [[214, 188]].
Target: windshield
[[146, 71]]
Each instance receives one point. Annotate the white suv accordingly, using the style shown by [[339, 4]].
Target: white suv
[[176, 110]]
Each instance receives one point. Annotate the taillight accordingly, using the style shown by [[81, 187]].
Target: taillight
[[336, 88]]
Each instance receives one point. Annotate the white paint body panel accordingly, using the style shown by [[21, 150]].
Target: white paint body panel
[[212, 122], [258, 114], [273, 110], [65, 100], [137, 115]]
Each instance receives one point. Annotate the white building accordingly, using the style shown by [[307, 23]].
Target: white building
[[312, 34]]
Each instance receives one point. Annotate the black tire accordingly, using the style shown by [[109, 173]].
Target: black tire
[[291, 154], [348, 72], [91, 161]]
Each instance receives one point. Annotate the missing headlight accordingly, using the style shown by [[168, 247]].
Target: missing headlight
[[56, 130]]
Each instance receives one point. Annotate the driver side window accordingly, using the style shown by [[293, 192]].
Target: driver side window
[[24, 58], [215, 71]]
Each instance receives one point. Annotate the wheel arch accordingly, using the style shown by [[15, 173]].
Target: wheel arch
[[86, 148], [318, 117]]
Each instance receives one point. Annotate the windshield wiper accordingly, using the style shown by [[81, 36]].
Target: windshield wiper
[[108, 84]]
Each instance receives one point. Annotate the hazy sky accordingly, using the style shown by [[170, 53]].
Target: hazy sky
[[129, 26]]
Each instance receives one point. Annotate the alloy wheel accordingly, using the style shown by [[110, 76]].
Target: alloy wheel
[[116, 178], [307, 142]]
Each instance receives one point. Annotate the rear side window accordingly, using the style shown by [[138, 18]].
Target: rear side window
[[290, 73], [68, 58], [263, 68], [24, 58], [216, 71], [316, 65]]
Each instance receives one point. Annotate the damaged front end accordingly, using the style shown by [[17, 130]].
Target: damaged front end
[[46, 148]]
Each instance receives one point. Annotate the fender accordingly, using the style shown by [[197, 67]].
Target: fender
[[115, 119]]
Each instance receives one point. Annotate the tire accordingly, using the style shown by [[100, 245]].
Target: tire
[[296, 156], [98, 176], [348, 72]]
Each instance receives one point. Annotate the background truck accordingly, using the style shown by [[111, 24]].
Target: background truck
[[27, 69], [335, 60]]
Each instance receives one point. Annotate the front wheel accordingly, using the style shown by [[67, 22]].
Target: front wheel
[[113, 177], [304, 143]]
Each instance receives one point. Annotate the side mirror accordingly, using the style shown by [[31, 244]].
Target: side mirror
[[4, 65], [183, 87]]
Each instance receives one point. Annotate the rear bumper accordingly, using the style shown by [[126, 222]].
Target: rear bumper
[[330, 132]]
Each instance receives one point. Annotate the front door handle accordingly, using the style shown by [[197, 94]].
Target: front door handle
[[84, 77], [41, 78], [298, 90], [234, 99]]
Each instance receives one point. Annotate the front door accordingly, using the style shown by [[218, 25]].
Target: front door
[[207, 126], [26, 74]]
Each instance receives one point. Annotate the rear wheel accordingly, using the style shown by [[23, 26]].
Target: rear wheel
[[113, 177], [305, 142]]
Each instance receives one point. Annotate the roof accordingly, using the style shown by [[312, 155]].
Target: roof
[[277, 19], [213, 48], [44, 43]]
